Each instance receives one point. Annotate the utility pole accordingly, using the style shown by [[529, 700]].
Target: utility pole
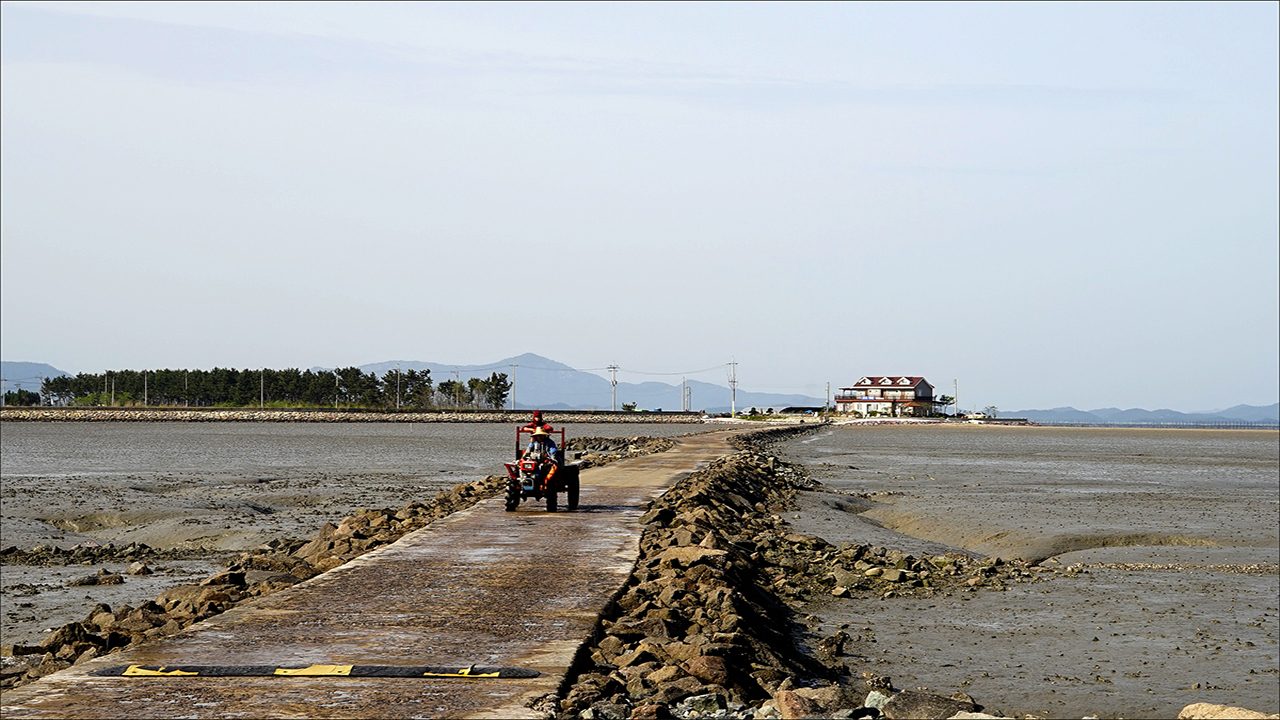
[[613, 369], [3, 389], [262, 388], [733, 388], [186, 385], [144, 388], [827, 403], [684, 406], [397, 386], [513, 385], [955, 396]]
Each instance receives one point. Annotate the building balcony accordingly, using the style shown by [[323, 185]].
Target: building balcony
[[884, 398]]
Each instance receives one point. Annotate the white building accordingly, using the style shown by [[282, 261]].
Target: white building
[[894, 395]]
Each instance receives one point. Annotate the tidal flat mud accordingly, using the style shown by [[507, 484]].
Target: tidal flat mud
[[1171, 535], [200, 493]]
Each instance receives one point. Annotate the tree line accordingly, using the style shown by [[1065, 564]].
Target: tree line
[[228, 387]]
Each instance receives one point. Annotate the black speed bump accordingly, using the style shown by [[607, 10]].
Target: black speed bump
[[383, 671]]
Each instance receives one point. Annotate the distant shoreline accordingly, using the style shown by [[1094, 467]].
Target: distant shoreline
[[358, 415], [304, 415]]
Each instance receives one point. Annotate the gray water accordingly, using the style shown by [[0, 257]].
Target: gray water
[[54, 450]]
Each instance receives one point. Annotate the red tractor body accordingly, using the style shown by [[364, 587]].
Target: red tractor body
[[541, 476]]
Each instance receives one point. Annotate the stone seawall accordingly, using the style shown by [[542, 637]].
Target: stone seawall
[[46, 414]]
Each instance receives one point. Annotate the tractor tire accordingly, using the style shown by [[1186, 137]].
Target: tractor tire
[[551, 499], [513, 495], [571, 487]]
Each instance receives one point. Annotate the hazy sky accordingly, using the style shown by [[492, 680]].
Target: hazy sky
[[1053, 204]]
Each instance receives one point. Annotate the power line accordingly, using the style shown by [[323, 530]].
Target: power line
[[684, 372], [26, 379]]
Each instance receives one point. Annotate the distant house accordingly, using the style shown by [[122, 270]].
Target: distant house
[[894, 395]]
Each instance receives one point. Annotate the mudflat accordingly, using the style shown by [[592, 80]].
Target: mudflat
[[211, 490], [1174, 532]]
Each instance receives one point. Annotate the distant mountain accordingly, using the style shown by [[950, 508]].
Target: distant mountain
[[1253, 413], [26, 375], [1239, 413], [540, 382]]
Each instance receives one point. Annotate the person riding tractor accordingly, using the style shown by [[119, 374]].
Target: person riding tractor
[[543, 447], [540, 470]]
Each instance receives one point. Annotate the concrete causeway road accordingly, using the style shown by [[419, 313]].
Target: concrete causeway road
[[482, 587]]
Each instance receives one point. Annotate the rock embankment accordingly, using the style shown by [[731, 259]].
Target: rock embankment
[[711, 621], [63, 414], [92, 553], [597, 451], [693, 629]]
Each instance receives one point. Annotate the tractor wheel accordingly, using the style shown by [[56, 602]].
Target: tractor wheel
[[551, 499], [571, 487], [513, 494]]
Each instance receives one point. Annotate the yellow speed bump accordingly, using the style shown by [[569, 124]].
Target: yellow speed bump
[[139, 671], [316, 670], [468, 671]]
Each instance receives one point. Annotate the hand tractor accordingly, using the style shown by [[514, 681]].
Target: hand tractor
[[540, 475]]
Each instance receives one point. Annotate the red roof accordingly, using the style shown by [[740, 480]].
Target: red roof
[[895, 381]]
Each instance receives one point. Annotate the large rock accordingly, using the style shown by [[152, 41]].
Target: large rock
[[677, 690], [644, 652], [48, 665], [844, 578], [70, 634], [704, 704], [196, 595], [257, 577], [226, 577], [709, 669], [102, 578], [915, 704], [792, 705], [611, 647], [686, 556], [650, 712], [664, 674], [1209, 711], [830, 698]]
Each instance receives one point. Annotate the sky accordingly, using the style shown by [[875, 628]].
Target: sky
[[1040, 204]]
